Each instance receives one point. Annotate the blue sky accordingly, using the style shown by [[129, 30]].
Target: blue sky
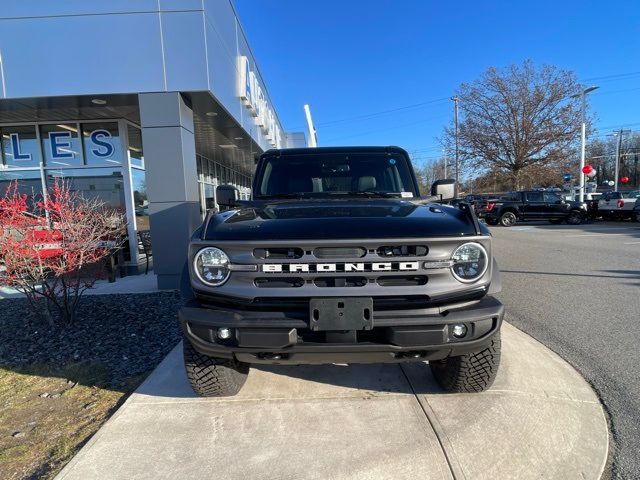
[[352, 59]]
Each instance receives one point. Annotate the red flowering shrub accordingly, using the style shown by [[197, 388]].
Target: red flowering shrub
[[53, 255]]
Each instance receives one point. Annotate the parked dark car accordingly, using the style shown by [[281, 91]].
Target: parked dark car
[[533, 205], [591, 200]]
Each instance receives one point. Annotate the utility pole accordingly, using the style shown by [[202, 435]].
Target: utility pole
[[618, 134], [455, 120], [446, 160], [617, 171]]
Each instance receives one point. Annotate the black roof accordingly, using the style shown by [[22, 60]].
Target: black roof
[[320, 150]]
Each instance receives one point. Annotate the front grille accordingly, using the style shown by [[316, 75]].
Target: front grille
[[328, 282], [395, 273], [402, 251], [279, 282], [402, 281], [278, 253], [339, 252]]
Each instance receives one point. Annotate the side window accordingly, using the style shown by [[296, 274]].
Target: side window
[[551, 197], [534, 197], [511, 197]]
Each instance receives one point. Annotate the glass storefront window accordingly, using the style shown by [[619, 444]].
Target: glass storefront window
[[101, 142], [20, 146], [209, 196], [140, 201], [107, 184], [61, 145], [136, 153], [29, 184]]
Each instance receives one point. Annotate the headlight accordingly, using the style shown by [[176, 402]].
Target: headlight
[[469, 262], [212, 266]]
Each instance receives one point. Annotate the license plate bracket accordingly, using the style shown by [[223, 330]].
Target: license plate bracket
[[341, 313]]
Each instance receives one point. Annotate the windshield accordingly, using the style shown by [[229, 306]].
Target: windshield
[[317, 175]]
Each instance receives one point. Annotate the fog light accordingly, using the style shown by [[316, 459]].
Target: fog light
[[224, 333], [459, 331]]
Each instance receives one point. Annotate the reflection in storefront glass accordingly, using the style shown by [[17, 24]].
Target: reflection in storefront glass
[[29, 184], [135, 146], [140, 201], [61, 145], [106, 184], [20, 146], [209, 196]]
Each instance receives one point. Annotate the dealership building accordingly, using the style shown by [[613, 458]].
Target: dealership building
[[147, 104]]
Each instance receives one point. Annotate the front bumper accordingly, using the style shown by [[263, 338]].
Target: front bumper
[[396, 336]]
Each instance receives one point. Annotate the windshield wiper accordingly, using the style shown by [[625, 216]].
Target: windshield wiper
[[367, 193]]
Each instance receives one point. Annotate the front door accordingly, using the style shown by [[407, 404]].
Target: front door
[[554, 206], [534, 205]]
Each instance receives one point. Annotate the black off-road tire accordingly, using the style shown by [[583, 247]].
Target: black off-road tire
[[575, 217], [213, 377], [471, 373], [508, 219]]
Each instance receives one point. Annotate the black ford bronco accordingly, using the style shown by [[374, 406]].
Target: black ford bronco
[[338, 259]]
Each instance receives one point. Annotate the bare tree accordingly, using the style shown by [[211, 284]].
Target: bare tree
[[429, 173], [517, 118]]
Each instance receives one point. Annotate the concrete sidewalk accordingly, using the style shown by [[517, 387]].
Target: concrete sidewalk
[[540, 420], [130, 284]]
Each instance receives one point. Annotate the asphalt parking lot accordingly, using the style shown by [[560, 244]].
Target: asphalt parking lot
[[577, 290]]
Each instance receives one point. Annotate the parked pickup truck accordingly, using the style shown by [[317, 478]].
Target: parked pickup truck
[[618, 205], [533, 205], [339, 259], [481, 203]]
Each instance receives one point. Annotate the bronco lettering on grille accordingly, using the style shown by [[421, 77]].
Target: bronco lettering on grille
[[340, 267]]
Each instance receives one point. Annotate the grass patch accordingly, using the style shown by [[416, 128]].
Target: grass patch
[[47, 413]]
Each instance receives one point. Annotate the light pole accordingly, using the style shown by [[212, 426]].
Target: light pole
[[583, 135], [455, 119]]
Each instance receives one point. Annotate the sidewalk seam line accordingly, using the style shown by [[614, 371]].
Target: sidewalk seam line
[[456, 472]]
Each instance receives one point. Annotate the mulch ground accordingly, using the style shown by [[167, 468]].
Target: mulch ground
[[59, 385]]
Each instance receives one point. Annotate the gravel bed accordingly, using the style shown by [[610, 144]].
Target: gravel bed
[[129, 334]]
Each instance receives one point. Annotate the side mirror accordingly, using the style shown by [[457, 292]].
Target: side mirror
[[227, 195], [444, 189]]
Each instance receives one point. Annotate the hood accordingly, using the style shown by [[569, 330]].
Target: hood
[[338, 219]]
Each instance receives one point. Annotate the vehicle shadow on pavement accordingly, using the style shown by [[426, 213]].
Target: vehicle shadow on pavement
[[264, 381], [389, 377]]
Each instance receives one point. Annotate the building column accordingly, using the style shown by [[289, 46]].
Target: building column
[[171, 180]]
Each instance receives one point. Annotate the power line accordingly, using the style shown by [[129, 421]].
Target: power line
[[619, 91], [383, 112], [622, 76], [384, 129]]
